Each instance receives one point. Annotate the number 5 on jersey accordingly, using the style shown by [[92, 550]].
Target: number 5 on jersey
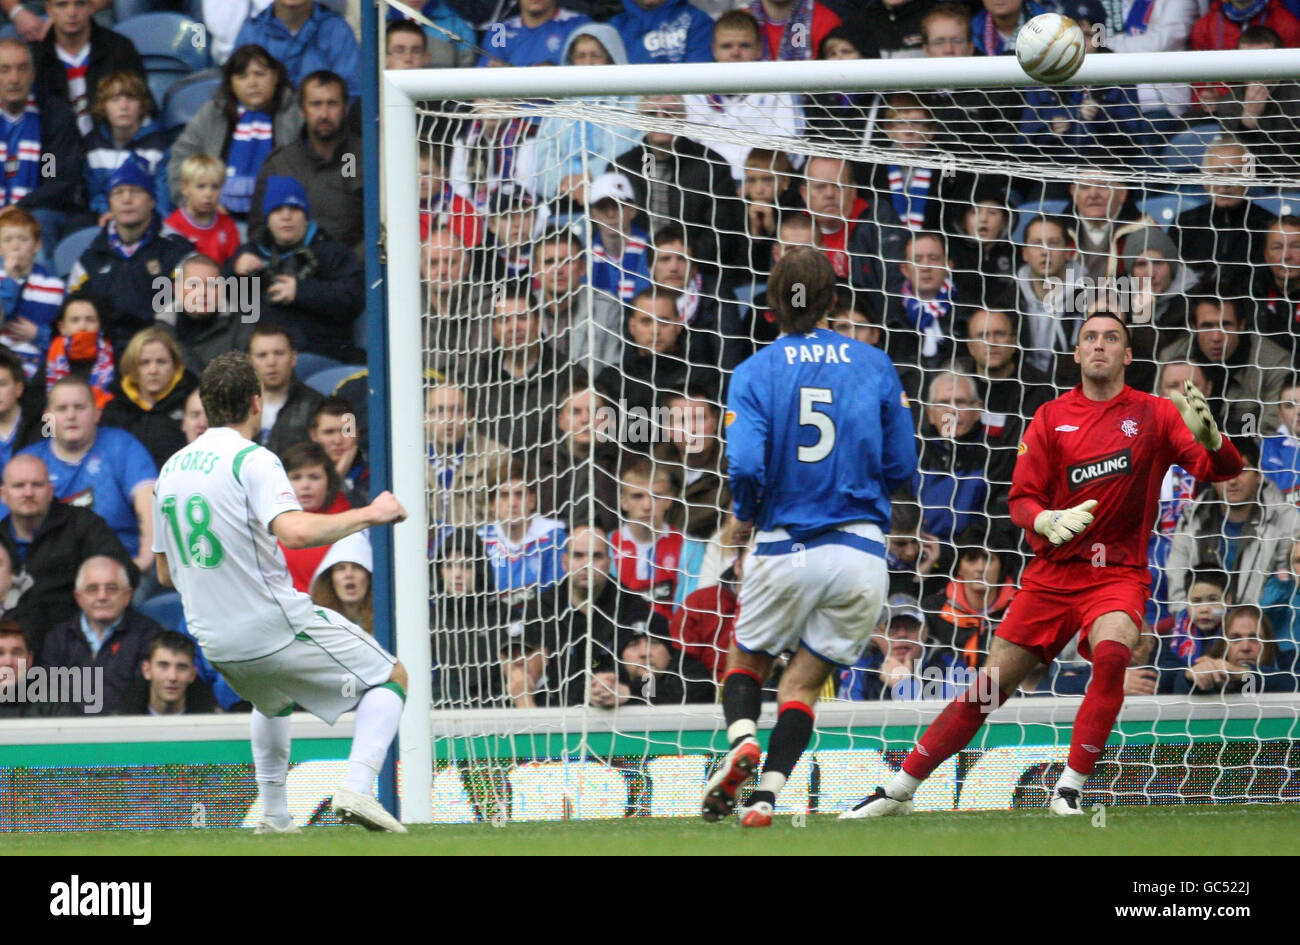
[[200, 547], [810, 417]]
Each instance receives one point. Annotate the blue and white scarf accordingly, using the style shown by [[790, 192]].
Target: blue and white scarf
[[125, 250], [800, 22], [20, 154], [909, 201], [927, 315], [250, 143]]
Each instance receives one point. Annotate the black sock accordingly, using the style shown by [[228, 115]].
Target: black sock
[[742, 698], [793, 731]]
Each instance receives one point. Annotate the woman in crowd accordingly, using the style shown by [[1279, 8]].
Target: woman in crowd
[[342, 581], [253, 113], [150, 393]]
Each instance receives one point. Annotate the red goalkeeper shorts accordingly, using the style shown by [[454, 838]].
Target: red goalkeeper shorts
[[1060, 600]]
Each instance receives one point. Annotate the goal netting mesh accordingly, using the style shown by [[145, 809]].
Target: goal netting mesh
[[594, 269]]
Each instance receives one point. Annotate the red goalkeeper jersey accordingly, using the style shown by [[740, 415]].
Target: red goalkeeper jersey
[[1115, 451]]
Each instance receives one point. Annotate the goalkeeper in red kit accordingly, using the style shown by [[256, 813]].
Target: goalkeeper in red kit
[[1085, 490]]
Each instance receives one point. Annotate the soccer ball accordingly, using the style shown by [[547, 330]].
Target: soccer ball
[[1050, 48]]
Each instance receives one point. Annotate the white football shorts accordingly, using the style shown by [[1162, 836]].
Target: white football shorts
[[823, 594], [326, 670]]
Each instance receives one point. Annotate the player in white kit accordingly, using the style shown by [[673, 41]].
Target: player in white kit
[[220, 505]]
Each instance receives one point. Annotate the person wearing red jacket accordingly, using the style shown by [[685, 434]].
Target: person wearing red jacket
[[1093, 461], [1222, 26], [703, 625]]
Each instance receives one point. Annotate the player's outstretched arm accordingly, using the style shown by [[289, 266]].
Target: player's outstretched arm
[[298, 529], [1060, 525]]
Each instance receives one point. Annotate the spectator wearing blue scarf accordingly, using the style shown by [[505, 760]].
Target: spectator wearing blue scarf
[[35, 130], [132, 258]]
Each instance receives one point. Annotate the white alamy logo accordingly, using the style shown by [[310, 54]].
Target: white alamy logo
[[76, 898]]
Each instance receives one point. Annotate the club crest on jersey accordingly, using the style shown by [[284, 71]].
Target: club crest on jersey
[[1096, 470], [1129, 427]]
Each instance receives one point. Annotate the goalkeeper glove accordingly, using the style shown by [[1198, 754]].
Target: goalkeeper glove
[[1059, 526], [1196, 414]]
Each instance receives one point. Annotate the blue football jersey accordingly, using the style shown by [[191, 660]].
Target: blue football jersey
[[818, 434]]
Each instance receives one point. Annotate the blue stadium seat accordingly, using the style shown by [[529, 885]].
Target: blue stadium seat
[[168, 41], [70, 249], [328, 380], [161, 81], [1185, 151], [166, 609], [1165, 208], [746, 291], [1280, 205], [186, 97], [125, 9], [8, 31], [1027, 211], [309, 364]]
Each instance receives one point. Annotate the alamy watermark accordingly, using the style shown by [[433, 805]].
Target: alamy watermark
[[234, 295], [1124, 295], [76, 685]]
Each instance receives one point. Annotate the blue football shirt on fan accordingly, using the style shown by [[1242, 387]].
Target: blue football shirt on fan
[[818, 434], [519, 45], [103, 480]]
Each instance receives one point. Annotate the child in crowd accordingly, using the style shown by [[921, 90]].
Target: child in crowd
[[1279, 455], [123, 112], [983, 258], [440, 205], [342, 581], [200, 218], [620, 264], [768, 176], [80, 347], [647, 549], [319, 489], [1186, 636], [973, 605], [30, 295], [513, 219], [525, 550]]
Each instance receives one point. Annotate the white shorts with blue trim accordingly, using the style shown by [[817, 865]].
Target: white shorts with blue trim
[[823, 594]]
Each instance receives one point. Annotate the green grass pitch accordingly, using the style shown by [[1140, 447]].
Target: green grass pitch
[[1219, 830]]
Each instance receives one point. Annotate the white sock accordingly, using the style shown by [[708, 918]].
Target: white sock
[[374, 730], [902, 786], [771, 781], [741, 728], [270, 737], [1071, 779]]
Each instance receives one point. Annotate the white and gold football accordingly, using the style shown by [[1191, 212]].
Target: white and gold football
[[1050, 48]]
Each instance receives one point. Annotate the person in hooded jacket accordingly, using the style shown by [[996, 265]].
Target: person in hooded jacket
[[150, 392]]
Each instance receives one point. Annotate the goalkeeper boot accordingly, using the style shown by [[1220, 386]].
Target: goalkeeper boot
[[737, 768], [356, 808], [879, 804], [1066, 802], [269, 827], [756, 815]]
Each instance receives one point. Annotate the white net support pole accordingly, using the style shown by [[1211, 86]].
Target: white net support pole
[[410, 538]]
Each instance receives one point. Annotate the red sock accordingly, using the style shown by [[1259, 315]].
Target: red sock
[[1101, 704], [955, 726]]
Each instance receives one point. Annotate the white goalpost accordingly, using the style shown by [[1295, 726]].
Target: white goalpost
[[465, 752]]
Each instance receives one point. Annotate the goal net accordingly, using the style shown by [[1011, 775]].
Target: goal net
[[593, 267]]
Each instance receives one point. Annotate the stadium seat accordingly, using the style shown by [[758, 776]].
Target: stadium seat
[[168, 42], [328, 380], [746, 291], [1281, 205], [70, 249], [1165, 208], [310, 364], [1027, 211], [187, 96], [8, 31], [1185, 151], [166, 609], [161, 81]]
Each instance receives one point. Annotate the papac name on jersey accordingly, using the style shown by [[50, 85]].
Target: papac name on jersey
[[819, 354]]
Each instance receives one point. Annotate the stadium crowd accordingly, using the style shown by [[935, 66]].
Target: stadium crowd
[[588, 290]]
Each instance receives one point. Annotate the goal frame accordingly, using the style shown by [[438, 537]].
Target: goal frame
[[401, 91]]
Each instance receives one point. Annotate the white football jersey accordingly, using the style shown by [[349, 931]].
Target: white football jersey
[[214, 502]]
